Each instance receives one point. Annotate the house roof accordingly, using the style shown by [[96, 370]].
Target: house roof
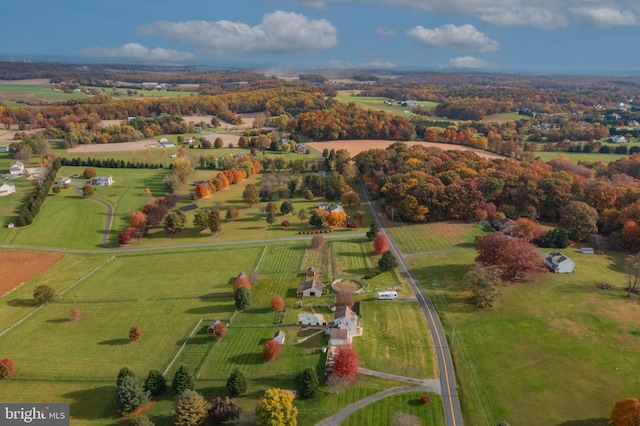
[[311, 284], [279, 333], [345, 312], [505, 225], [340, 333], [557, 258], [17, 164]]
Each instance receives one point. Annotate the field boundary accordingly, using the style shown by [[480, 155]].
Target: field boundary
[[186, 340]]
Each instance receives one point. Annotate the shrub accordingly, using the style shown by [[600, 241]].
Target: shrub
[[141, 421], [271, 350], [352, 225], [286, 223], [7, 368], [425, 399], [75, 315], [135, 333]]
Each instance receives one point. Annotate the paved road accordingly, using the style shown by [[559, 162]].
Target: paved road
[[432, 385], [451, 402]]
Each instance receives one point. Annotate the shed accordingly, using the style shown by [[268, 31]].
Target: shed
[[279, 337], [213, 324], [587, 250], [559, 263], [62, 180], [311, 288]]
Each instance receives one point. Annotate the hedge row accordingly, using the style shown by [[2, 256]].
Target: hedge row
[[34, 201], [317, 231], [110, 163]]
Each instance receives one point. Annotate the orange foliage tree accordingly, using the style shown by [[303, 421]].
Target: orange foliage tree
[[271, 350], [202, 190], [345, 362], [136, 218], [380, 243], [7, 368], [241, 281], [336, 218], [135, 333], [277, 303], [626, 412], [527, 229]]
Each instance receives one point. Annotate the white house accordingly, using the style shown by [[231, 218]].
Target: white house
[[344, 315], [63, 180], [6, 189], [101, 181], [279, 337], [559, 263], [339, 336], [16, 168], [618, 139]]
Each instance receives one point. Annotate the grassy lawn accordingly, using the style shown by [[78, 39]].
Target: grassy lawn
[[579, 156], [402, 409], [503, 118], [380, 103], [568, 351], [33, 92], [417, 238], [396, 339]]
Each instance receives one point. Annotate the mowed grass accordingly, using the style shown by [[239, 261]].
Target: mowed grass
[[396, 339], [567, 350], [416, 238], [33, 92], [503, 118], [380, 103], [351, 259], [401, 409]]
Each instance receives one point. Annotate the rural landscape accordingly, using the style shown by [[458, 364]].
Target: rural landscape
[[189, 247]]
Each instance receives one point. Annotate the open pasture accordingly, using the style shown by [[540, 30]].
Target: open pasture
[[379, 103], [21, 94], [403, 409], [418, 238]]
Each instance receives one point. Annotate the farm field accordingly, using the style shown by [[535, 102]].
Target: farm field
[[503, 118], [418, 238], [21, 94], [579, 156], [380, 103], [555, 335], [400, 409]]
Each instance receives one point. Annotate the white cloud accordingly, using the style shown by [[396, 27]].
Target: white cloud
[[385, 32], [376, 62], [604, 17], [469, 62], [139, 53], [279, 32], [316, 4], [465, 38]]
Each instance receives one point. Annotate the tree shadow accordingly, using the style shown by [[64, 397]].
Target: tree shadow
[[416, 402], [247, 359], [114, 342], [83, 405], [23, 302], [58, 320], [586, 422], [211, 310]]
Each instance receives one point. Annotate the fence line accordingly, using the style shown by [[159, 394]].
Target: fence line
[[195, 328]]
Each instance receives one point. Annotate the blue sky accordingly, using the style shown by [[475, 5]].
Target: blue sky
[[556, 36]]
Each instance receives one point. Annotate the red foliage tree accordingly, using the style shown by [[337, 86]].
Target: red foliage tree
[[345, 362], [219, 331], [242, 281], [89, 173], [7, 368], [286, 223], [271, 350], [277, 303], [626, 412], [136, 218], [380, 243], [135, 333], [124, 237], [75, 314], [345, 299], [514, 257], [425, 399]]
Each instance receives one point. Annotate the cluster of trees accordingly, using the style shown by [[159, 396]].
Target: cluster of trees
[[224, 179], [151, 216], [33, 202], [421, 184], [109, 163]]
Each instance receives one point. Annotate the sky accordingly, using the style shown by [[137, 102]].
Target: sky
[[525, 36]]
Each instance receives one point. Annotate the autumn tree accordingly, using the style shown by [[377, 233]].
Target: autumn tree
[[136, 218], [387, 262], [135, 333], [130, 395], [380, 243], [317, 242], [626, 412], [223, 410], [514, 257], [208, 219], [183, 380], [276, 408], [44, 293], [155, 383], [410, 210], [232, 213], [236, 383], [350, 199], [345, 298], [241, 281], [271, 350], [277, 303], [181, 169], [242, 298], [554, 238], [345, 362], [359, 215], [527, 229], [251, 195], [336, 218], [579, 219], [7, 368], [75, 315], [87, 191], [374, 228], [190, 409], [219, 331], [286, 207], [89, 173], [308, 382], [174, 222], [483, 282]]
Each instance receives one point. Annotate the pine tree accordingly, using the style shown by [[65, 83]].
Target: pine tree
[[183, 380], [373, 230], [236, 383], [155, 383], [242, 297], [308, 383], [189, 409], [388, 261], [124, 372], [130, 395]]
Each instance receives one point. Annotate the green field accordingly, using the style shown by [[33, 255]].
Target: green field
[[503, 118], [579, 156], [21, 93], [403, 409], [380, 103]]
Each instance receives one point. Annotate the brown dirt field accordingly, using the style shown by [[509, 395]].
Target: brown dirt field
[[357, 146], [28, 81], [17, 267], [115, 147]]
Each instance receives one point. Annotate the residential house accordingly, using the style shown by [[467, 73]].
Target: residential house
[[618, 139], [63, 180], [101, 181], [6, 189], [330, 208], [279, 337], [339, 335], [344, 315], [505, 226], [16, 168], [311, 288], [301, 149], [559, 263]]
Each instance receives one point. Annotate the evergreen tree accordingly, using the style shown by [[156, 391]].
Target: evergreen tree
[[124, 372], [130, 395], [189, 409], [183, 380], [373, 230], [242, 297], [388, 261], [308, 383], [155, 383], [236, 383], [315, 220]]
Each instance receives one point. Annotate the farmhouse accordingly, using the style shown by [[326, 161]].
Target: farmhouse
[[331, 207], [344, 315], [6, 189], [16, 168], [559, 263], [339, 335], [279, 337], [311, 288], [101, 181]]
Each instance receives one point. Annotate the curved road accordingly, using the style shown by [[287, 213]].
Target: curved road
[[451, 402]]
